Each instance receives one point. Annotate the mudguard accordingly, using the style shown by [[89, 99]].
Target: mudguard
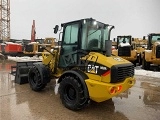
[[82, 77]]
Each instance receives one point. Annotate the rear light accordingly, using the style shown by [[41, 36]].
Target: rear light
[[114, 90], [119, 88]]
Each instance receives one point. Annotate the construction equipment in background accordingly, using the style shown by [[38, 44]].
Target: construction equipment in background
[[152, 54], [31, 48], [139, 45], [33, 32], [26, 47], [114, 44], [83, 64], [35, 48], [125, 49], [11, 49]]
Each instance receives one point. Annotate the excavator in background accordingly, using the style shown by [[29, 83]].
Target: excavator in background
[[34, 47], [33, 32], [125, 49], [83, 66], [152, 54]]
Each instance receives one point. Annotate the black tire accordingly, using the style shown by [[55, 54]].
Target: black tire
[[72, 93], [34, 79], [140, 59], [135, 63], [145, 64]]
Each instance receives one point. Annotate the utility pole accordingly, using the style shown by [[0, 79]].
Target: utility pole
[[5, 20]]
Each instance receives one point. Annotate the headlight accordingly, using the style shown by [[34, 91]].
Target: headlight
[[52, 50]]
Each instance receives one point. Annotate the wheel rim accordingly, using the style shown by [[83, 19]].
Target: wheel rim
[[70, 93]]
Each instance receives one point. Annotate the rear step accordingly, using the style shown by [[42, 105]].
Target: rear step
[[20, 71]]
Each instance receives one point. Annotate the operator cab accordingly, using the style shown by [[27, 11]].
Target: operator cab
[[124, 45], [153, 38], [81, 37], [124, 41]]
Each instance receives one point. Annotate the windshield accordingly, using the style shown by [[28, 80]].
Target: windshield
[[94, 35], [124, 40], [155, 38]]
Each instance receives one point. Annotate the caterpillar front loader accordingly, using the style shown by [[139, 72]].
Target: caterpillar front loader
[[139, 45], [125, 49], [152, 54], [83, 64]]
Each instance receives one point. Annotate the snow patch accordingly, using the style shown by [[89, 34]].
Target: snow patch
[[19, 59], [147, 73]]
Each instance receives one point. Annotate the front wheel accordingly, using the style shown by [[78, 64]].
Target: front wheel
[[72, 93], [140, 59], [34, 79]]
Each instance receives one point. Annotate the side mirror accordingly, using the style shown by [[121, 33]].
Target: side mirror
[[56, 29]]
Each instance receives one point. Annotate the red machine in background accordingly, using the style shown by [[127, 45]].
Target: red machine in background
[[16, 49], [33, 32], [26, 48], [12, 49]]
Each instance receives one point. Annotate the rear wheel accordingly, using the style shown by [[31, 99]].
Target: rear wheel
[[145, 64], [72, 93], [34, 79]]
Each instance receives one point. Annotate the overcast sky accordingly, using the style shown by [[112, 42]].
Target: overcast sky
[[130, 17]]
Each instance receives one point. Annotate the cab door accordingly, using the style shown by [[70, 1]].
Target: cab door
[[69, 46]]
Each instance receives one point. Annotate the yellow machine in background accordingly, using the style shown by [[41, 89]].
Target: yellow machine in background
[[125, 49], [114, 44], [34, 48], [83, 64], [31, 49], [152, 54], [139, 45]]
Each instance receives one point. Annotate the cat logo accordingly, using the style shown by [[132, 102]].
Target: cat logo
[[92, 69]]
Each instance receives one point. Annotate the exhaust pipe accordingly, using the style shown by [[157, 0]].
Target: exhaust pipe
[[108, 43]]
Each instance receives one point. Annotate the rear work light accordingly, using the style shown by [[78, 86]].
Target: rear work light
[[112, 90], [119, 88], [115, 89]]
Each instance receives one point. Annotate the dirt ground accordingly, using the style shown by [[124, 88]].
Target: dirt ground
[[19, 102]]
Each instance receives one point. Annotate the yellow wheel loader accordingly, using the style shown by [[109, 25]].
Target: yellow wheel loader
[[83, 64], [125, 49], [139, 45], [152, 54]]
